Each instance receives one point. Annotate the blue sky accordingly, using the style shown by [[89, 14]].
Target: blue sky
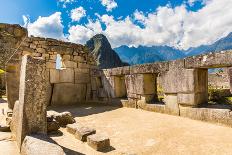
[[177, 23]]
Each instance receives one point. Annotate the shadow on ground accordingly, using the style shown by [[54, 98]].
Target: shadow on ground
[[84, 110]]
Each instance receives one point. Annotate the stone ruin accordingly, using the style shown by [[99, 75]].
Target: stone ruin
[[34, 81]]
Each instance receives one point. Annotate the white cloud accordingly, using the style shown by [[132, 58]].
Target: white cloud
[[109, 4], [177, 26], [65, 2], [78, 13], [50, 26], [80, 34]]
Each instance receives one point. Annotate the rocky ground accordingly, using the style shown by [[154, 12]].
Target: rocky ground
[[134, 131]]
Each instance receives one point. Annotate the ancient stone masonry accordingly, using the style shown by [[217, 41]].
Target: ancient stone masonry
[[184, 83], [41, 72]]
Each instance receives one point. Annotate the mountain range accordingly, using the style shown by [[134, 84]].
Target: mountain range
[[144, 54]]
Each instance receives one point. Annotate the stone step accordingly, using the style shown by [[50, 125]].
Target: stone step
[[98, 142], [80, 132]]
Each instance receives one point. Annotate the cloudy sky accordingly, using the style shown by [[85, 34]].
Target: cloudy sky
[[178, 23]]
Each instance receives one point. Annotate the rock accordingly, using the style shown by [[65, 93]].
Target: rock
[[98, 142], [4, 127], [83, 132], [72, 128], [52, 126], [64, 118], [40, 145]]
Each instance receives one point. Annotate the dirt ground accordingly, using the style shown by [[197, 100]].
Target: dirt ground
[[134, 131]]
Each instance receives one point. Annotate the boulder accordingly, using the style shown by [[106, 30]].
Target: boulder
[[64, 118], [52, 126], [40, 145]]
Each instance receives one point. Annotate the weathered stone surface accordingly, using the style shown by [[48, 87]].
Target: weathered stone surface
[[230, 78], [120, 86], [211, 60], [72, 128], [54, 76], [221, 116], [52, 126], [32, 99], [69, 64], [4, 127], [82, 77], [74, 93], [171, 104], [64, 118], [149, 68], [66, 76], [83, 132], [12, 83], [40, 145], [98, 142]]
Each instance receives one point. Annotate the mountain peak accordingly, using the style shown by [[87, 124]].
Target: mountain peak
[[106, 57]]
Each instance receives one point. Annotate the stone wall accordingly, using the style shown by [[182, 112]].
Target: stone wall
[[184, 82]]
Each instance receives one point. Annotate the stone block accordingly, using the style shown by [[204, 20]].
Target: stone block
[[98, 142], [83, 65], [12, 75], [54, 76], [79, 59], [40, 145], [171, 104], [145, 84], [64, 118], [50, 65], [74, 93], [210, 60], [41, 50], [69, 64], [66, 75], [66, 57], [83, 132], [82, 70], [32, 99], [120, 86], [192, 99], [72, 128], [52, 126], [82, 77]]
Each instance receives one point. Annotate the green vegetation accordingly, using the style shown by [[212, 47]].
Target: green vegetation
[[1, 71], [219, 95]]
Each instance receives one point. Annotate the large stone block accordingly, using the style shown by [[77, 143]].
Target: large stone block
[[192, 99], [74, 93], [67, 75], [83, 132], [54, 76], [171, 104], [69, 64], [98, 142], [40, 145], [230, 77], [12, 83], [210, 60], [82, 77], [32, 99]]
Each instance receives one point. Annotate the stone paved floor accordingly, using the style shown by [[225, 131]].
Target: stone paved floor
[[140, 132]]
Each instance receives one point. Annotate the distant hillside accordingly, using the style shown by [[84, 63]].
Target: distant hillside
[[222, 44], [105, 56], [143, 54]]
